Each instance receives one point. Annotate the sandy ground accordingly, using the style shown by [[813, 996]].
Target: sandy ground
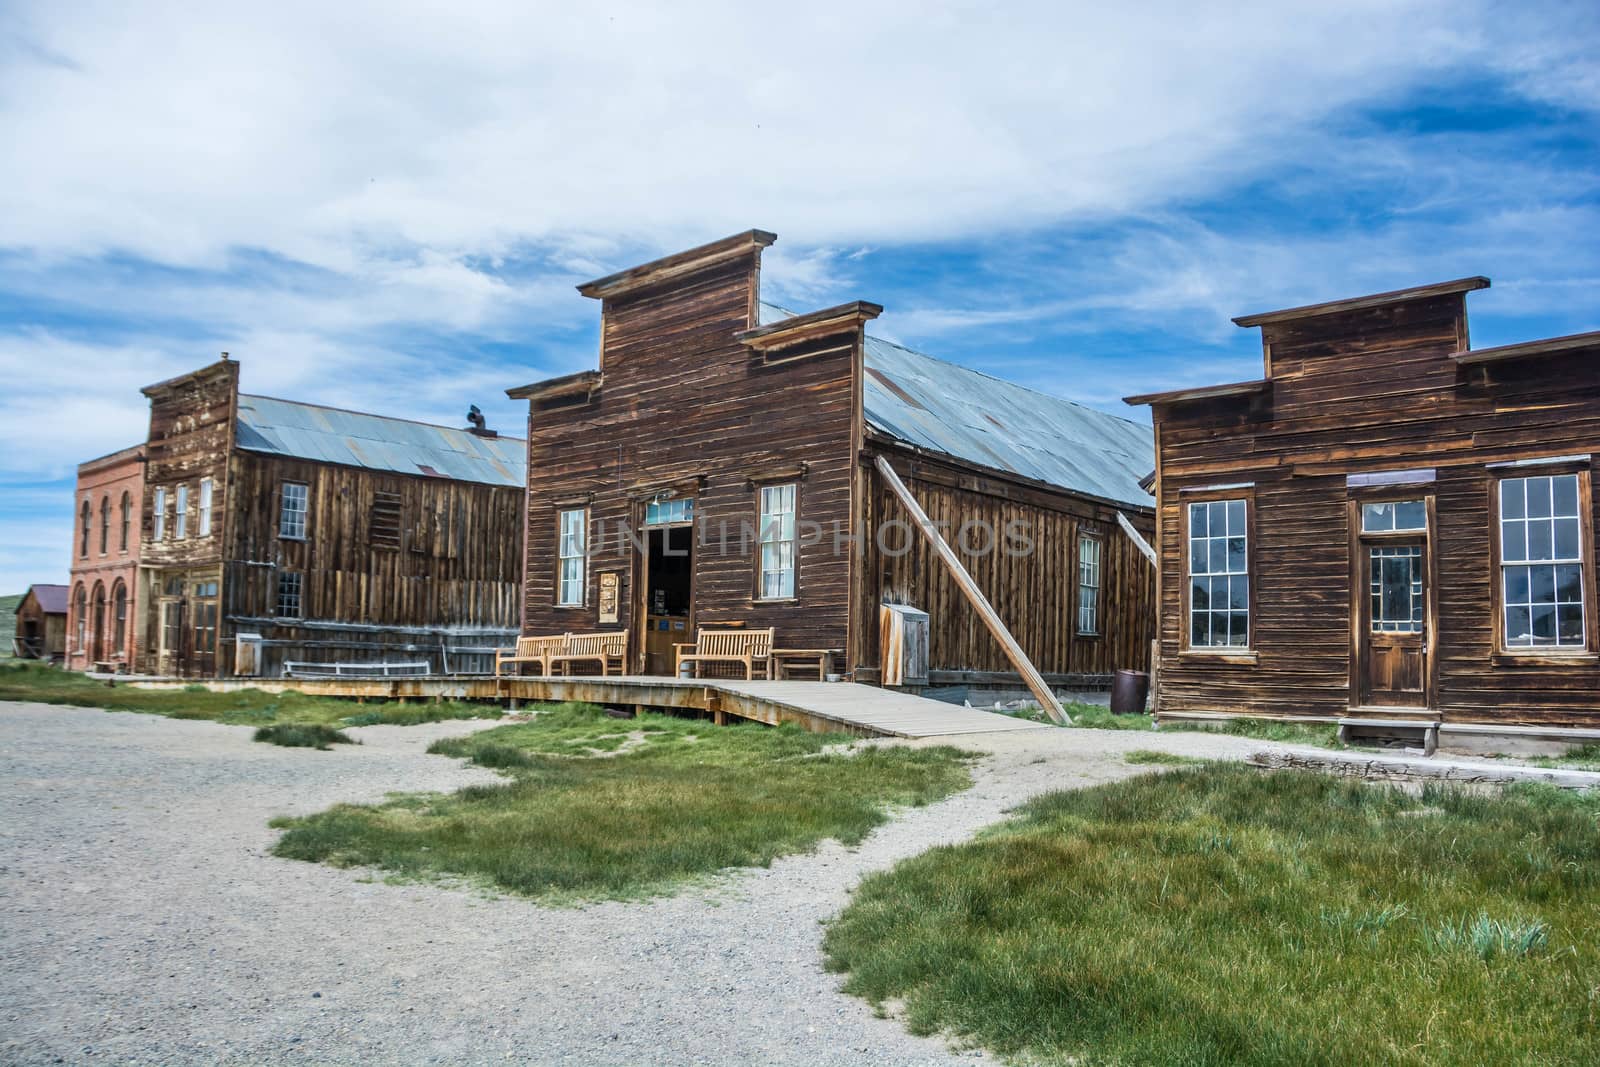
[[142, 920]]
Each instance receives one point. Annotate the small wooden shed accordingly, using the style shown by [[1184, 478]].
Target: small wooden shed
[[42, 624]]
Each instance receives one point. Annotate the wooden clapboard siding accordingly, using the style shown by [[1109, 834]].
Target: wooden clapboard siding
[[191, 437], [1034, 589], [684, 404], [1373, 390]]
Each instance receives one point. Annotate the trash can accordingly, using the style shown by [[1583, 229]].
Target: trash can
[[1129, 691]]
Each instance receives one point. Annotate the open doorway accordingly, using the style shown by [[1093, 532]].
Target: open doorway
[[668, 594]]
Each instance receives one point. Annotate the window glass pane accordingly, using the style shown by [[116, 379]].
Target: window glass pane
[[1377, 518], [1199, 593], [1518, 626], [1540, 538], [1516, 585], [1235, 518], [1199, 556], [1236, 555], [1218, 518], [1544, 624], [1567, 538], [1239, 629], [1239, 592], [1200, 629], [1569, 584], [1197, 520], [1219, 555], [1410, 515], [1569, 624], [1513, 499], [1565, 489], [1538, 498], [1514, 543]]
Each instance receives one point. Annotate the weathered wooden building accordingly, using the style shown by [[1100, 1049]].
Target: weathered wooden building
[[1389, 523], [102, 623], [720, 469], [281, 532], [41, 624]]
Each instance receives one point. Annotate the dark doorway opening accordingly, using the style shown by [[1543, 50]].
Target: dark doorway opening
[[668, 595]]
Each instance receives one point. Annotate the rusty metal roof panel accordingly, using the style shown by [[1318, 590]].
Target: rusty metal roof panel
[[377, 442], [944, 407]]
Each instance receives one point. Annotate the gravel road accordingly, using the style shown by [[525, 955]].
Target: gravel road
[[142, 920]]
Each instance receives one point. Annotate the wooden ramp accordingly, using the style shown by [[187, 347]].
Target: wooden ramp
[[821, 706]]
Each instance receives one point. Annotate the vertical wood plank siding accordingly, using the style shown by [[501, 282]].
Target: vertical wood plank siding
[[1363, 392], [1035, 592]]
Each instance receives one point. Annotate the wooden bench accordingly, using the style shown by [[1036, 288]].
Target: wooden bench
[[602, 648], [746, 647], [785, 659], [529, 650]]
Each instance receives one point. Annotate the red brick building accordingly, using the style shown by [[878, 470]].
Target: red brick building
[[101, 615]]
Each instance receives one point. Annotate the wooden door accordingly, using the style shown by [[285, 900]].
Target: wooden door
[[1395, 638]]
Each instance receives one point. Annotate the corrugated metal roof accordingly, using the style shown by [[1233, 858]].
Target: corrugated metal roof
[[356, 439], [948, 408]]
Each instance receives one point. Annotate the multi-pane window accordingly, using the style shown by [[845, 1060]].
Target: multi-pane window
[[775, 580], [159, 511], [669, 512], [289, 588], [1541, 562], [1088, 585], [1219, 575], [573, 543], [180, 521], [83, 538], [1396, 589], [127, 518], [292, 511], [203, 523], [105, 525], [1392, 516]]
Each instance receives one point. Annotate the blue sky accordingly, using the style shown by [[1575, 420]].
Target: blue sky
[[387, 206]]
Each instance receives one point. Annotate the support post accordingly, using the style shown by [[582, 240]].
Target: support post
[[1138, 538], [991, 619]]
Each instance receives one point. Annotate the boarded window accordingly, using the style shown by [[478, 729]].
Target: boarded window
[[383, 526], [1219, 575], [1541, 562], [1088, 585], [572, 548], [292, 511], [775, 580], [289, 587]]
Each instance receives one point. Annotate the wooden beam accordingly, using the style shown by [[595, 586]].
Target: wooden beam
[[1019, 659], [1138, 538], [1361, 303]]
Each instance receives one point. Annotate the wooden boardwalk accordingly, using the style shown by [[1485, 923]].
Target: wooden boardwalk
[[846, 707], [822, 706]]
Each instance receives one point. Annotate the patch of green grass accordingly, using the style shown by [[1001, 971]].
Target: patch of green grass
[[1100, 717], [1582, 758], [1150, 755], [303, 735], [594, 807], [28, 681], [1222, 915]]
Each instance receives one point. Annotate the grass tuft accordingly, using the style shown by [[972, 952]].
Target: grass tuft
[[1150, 755], [596, 808], [1219, 914], [29, 681], [303, 735]]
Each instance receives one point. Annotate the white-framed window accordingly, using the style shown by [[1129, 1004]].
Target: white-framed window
[[1541, 563], [158, 508], [292, 511], [775, 576], [572, 547], [203, 525], [289, 590], [180, 522], [1088, 584], [1219, 575]]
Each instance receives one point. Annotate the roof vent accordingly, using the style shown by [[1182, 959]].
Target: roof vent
[[480, 425]]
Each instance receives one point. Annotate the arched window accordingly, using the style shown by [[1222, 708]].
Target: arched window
[[127, 517], [83, 541], [105, 525], [80, 608], [119, 601], [97, 625]]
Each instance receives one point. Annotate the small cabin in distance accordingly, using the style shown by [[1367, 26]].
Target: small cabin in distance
[[1388, 524], [41, 624], [720, 469]]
